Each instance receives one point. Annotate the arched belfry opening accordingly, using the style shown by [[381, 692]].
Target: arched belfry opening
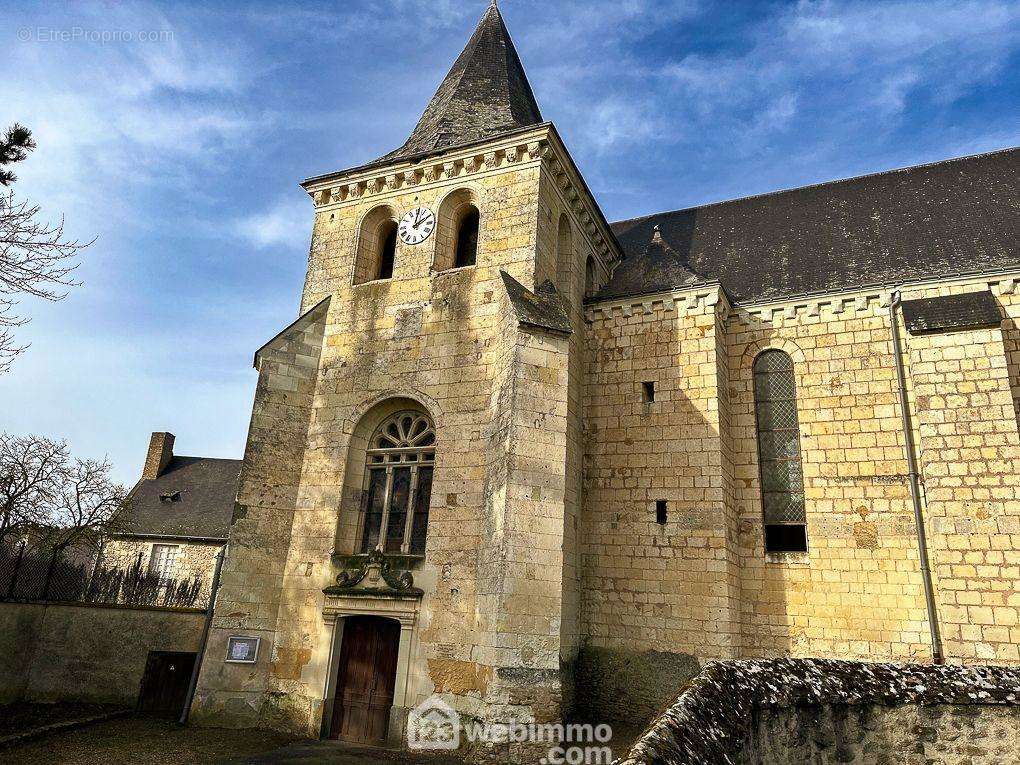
[[377, 245], [457, 230], [467, 238], [590, 278]]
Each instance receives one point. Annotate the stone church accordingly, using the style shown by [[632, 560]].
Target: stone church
[[543, 465]]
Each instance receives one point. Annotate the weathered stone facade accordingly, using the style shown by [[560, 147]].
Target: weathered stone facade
[[501, 596], [95, 653], [192, 560], [779, 711], [579, 525], [705, 587]]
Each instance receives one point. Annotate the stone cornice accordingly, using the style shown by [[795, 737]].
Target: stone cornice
[[576, 194], [865, 301], [843, 303], [351, 186], [698, 296], [539, 147]]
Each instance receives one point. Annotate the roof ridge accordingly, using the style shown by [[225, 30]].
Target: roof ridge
[[819, 184]]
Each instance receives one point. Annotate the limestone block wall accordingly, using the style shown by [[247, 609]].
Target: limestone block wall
[[857, 591], [443, 341], [91, 653], [251, 582], [651, 587], [563, 250], [193, 559], [487, 631], [970, 461]]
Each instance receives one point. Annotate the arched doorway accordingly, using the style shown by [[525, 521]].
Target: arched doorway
[[366, 676]]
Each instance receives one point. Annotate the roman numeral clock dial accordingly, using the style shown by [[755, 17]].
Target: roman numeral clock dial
[[416, 225]]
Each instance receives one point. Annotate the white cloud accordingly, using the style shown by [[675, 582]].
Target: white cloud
[[286, 224], [111, 119], [854, 60]]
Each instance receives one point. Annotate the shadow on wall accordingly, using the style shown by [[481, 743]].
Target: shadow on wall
[[1011, 343], [767, 579], [662, 591]]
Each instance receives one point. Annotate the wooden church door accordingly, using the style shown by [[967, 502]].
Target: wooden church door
[[365, 679]]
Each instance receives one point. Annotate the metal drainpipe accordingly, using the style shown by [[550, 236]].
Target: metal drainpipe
[[193, 683], [915, 488]]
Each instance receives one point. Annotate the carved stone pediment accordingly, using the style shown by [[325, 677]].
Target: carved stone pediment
[[374, 575]]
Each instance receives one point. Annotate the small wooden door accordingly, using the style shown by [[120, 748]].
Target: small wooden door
[[165, 683], [365, 679]]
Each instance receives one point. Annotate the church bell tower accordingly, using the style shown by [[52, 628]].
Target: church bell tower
[[445, 279]]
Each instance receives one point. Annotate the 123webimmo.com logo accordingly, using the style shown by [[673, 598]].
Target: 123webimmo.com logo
[[435, 725]]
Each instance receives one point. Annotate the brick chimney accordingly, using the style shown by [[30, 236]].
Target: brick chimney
[[161, 451]]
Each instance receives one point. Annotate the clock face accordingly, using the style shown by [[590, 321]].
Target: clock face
[[416, 225]]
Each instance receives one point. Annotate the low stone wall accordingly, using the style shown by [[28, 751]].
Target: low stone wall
[[94, 653], [628, 688], [774, 712]]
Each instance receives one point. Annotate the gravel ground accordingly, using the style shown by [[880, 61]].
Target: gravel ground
[[149, 741], [143, 741], [20, 718]]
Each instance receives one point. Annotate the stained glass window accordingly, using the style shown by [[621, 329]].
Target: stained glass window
[[399, 484], [779, 457]]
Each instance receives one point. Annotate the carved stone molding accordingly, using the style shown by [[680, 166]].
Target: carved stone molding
[[434, 170], [373, 575]]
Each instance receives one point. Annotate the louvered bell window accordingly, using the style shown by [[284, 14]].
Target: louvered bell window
[[779, 457]]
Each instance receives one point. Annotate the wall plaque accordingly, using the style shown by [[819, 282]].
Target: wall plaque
[[242, 650]]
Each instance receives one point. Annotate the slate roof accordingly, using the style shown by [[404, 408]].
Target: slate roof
[[208, 488], [952, 217], [485, 94], [543, 308], [971, 310]]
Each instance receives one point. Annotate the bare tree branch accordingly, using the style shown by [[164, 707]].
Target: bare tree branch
[[35, 258], [42, 487], [32, 470], [87, 501]]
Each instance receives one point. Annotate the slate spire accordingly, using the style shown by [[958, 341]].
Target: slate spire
[[486, 93]]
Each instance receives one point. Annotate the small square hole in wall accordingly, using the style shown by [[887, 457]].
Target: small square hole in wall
[[648, 392], [660, 511]]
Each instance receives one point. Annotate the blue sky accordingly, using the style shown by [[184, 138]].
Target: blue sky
[[182, 153]]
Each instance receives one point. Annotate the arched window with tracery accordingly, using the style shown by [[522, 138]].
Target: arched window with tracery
[[398, 484], [779, 456]]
